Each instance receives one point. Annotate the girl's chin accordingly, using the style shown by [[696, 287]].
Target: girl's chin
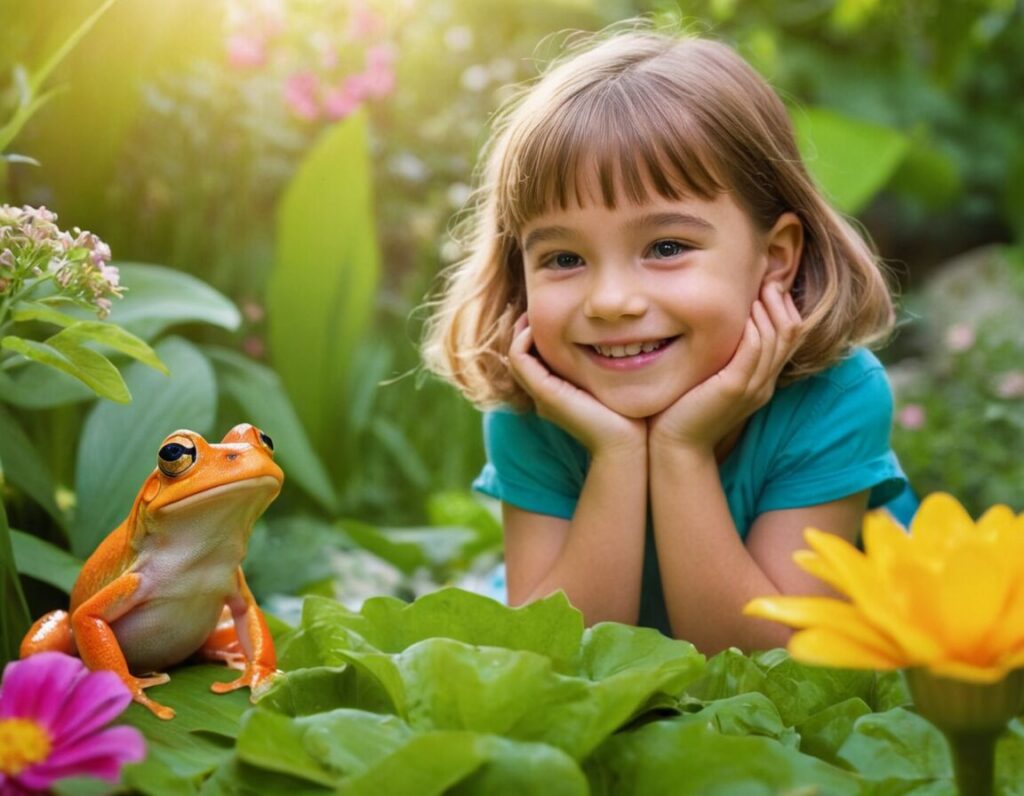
[[637, 407]]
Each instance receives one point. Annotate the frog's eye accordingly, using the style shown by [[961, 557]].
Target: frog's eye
[[176, 457], [267, 441]]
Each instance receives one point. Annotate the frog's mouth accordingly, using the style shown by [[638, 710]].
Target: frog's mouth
[[246, 489]]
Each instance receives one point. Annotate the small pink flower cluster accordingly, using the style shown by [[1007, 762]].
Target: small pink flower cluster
[[259, 33], [311, 97], [33, 248]]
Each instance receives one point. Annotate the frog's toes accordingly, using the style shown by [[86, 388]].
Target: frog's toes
[[155, 678], [158, 710]]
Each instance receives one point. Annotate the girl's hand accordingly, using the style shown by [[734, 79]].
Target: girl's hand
[[708, 413], [591, 422]]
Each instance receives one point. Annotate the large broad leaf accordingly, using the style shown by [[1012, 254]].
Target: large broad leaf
[[851, 159], [14, 618], [118, 445], [257, 390], [25, 468], [897, 744], [44, 561], [321, 291], [159, 297]]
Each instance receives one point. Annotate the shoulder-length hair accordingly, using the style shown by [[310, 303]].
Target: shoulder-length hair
[[646, 110]]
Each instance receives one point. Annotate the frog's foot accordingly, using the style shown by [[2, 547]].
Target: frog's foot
[[137, 686], [255, 676], [232, 657]]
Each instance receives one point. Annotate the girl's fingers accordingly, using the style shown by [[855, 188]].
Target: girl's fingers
[[786, 320], [764, 372], [737, 375]]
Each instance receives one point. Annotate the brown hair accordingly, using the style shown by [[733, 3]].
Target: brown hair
[[683, 115]]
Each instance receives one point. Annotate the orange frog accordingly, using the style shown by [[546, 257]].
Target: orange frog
[[168, 581]]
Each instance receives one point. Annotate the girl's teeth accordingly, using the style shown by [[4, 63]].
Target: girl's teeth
[[631, 350]]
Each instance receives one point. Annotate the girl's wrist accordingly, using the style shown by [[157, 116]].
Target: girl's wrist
[[664, 451]]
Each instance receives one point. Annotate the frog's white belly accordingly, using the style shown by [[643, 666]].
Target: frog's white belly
[[180, 599]]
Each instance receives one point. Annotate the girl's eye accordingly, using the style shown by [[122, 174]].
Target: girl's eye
[[563, 261], [665, 249]]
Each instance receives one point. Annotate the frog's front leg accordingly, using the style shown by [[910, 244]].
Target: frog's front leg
[[98, 646], [253, 637]]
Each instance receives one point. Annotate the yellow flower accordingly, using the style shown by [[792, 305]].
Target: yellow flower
[[947, 597]]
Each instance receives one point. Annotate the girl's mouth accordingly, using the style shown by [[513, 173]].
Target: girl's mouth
[[630, 355]]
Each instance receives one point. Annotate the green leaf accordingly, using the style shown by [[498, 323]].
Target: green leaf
[[25, 468], [824, 733], [35, 311], [160, 297], [117, 448], [897, 744], [92, 369], [198, 739], [36, 386], [258, 391], [411, 548], [288, 553], [850, 159], [45, 561], [462, 509], [112, 336], [278, 743], [688, 757], [321, 292], [550, 627], [14, 617]]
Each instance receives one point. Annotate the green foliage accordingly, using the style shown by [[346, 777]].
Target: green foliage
[[960, 385], [14, 618], [320, 294], [457, 694]]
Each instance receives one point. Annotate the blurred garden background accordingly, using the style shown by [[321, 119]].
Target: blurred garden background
[[278, 184]]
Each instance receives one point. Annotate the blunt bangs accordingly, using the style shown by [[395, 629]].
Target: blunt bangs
[[623, 135]]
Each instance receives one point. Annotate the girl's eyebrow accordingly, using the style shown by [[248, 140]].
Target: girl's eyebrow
[[542, 234], [667, 219]]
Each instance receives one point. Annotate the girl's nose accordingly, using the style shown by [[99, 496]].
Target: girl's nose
[[614, 295]]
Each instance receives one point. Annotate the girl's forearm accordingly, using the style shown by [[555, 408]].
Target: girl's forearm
[[600, 565], [707, 573]]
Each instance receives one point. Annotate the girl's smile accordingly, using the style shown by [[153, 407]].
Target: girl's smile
[[639, 303]]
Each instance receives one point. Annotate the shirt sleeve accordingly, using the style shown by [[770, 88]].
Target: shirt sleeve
[[531, 464], [838, 444]]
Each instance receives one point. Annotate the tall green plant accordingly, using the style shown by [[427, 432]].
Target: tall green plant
[[321, 292]]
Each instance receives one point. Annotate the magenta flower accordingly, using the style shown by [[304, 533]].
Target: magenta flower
[[52, 716]]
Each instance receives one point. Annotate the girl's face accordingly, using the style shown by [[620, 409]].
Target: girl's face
[[640, 304]]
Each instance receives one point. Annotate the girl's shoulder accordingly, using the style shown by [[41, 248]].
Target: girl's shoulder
[[857, 379]]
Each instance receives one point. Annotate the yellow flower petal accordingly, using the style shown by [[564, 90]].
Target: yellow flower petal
[[824, 647], [993, 521], [873, 597], [938, 521], [885, 541], [969, 599], [823, 612]]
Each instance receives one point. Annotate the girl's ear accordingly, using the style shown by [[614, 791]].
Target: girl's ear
[[784, 245]]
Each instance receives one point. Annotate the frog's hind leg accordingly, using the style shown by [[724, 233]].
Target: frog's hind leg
[[223, 645], [50, 633]]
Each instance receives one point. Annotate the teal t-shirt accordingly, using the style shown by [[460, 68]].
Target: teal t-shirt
[[817, 440]]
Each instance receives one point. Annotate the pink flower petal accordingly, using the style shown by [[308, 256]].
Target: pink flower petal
[[100, 755], [96, 700], [37, 686]]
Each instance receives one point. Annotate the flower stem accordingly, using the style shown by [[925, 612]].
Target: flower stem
[[974, 757]]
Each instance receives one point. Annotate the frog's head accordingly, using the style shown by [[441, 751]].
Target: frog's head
[[238, 475]]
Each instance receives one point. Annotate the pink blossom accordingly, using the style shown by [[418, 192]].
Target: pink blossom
[[247, 51], [379, 77], [254, 347], [53, 713], [1011, 385], [301, 95], [253, 311], [344, 99], [960, 337], [911, 417]]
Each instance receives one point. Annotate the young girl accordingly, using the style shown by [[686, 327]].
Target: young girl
[[665, 320]]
